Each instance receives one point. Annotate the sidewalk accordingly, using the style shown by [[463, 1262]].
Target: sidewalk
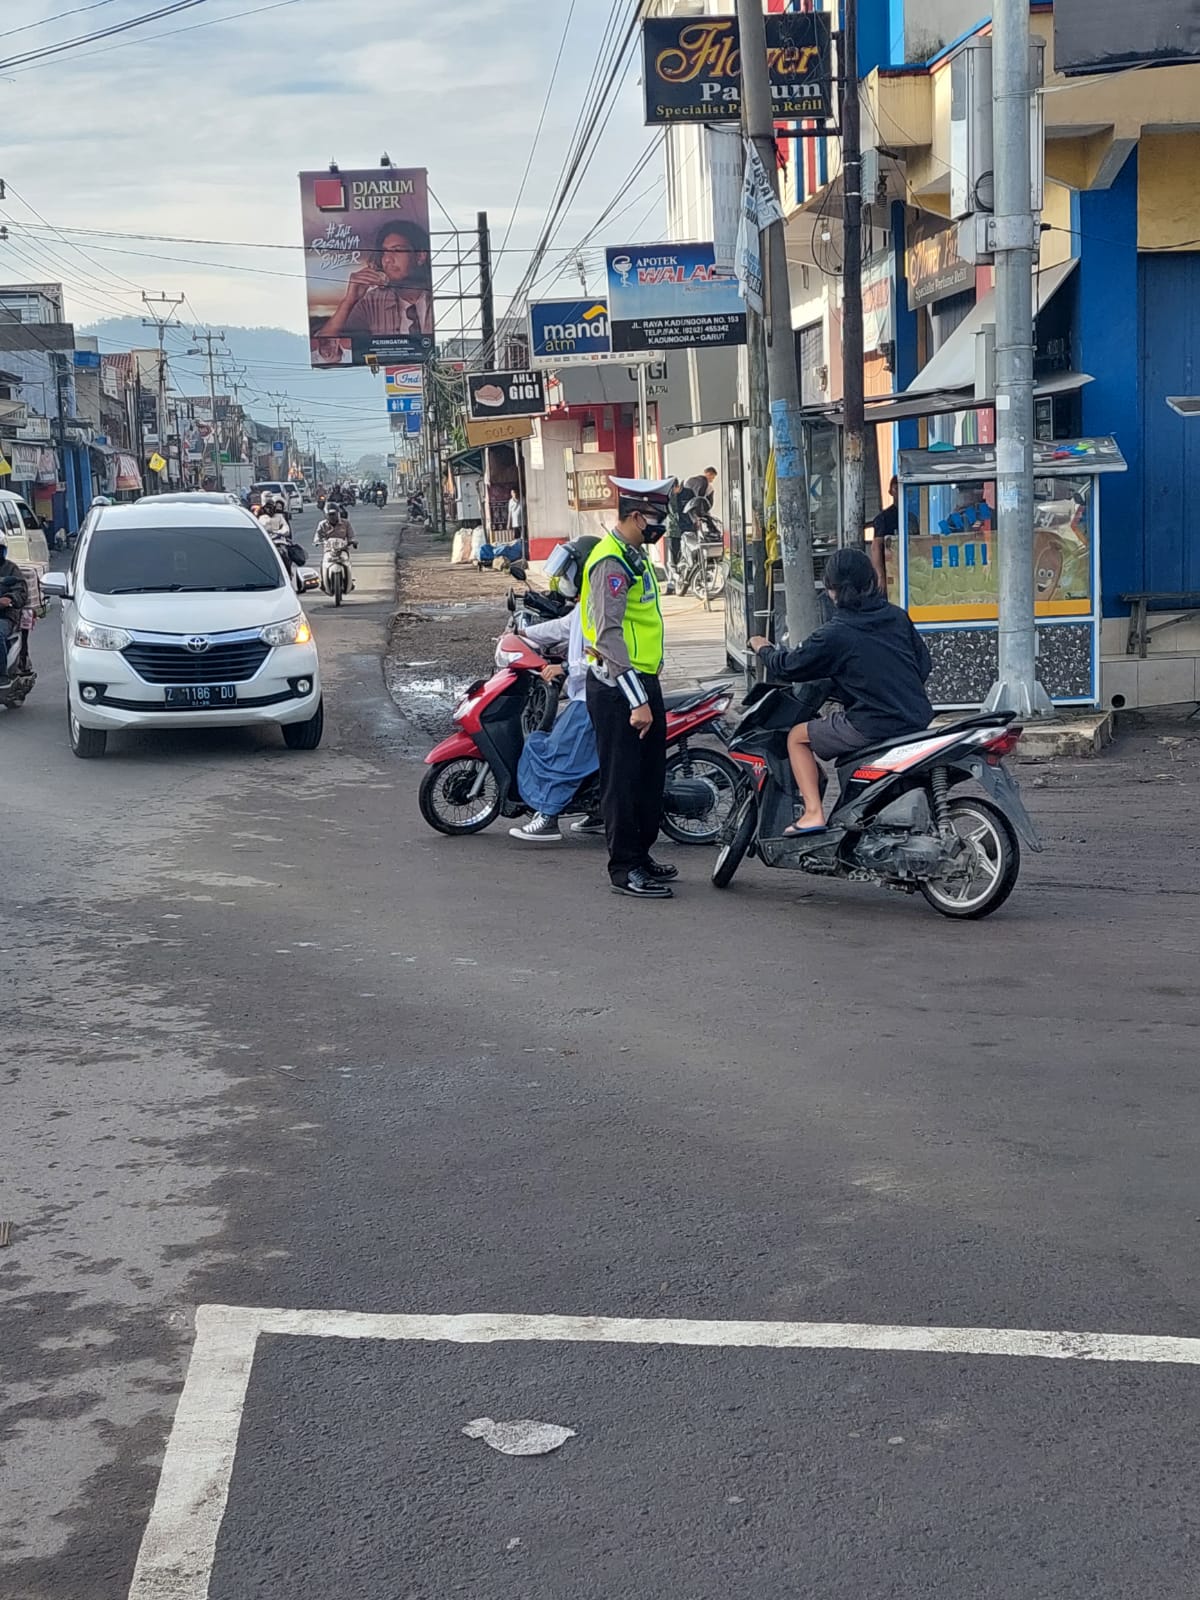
[[695, 642]]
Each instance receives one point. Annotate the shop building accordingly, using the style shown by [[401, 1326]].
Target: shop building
[[1116, 339]]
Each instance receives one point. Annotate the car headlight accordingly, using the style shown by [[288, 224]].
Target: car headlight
[[95, 636], [294, 631]]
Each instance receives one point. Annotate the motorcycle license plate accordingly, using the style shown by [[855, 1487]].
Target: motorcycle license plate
[[202, 696]]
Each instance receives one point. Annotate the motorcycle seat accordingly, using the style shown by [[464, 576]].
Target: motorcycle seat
[[993, 719], [689, 699]]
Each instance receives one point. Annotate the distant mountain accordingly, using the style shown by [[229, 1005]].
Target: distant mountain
[[346, 405]]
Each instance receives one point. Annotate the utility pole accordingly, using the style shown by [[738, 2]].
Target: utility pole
[[167, 305], [854, 506], [795, 532], [1015, 243], [277, 400], [210, 338], [487, 302]]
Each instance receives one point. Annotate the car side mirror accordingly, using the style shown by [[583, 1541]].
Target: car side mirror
[[56, 584]]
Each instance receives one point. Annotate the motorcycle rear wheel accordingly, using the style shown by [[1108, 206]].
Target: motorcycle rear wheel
[[997, 862], [709, 580], [722, 775], [445, 799], [740, 834]]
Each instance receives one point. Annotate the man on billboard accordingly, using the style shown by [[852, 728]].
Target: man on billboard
[[368, 266], [392, 293]]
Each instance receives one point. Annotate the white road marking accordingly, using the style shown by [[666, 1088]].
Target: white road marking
[[176, 1556]]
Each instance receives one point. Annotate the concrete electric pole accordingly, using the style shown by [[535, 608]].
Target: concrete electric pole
[[209, 338], [1015, 242], [168, 305], [854, 507], [783, 375]]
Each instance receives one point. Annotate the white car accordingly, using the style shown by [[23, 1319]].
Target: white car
[[183, 616]]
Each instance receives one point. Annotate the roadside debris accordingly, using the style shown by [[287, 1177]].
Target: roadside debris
[[519, 1438]]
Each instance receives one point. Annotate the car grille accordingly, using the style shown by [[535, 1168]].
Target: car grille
[[220, 663]]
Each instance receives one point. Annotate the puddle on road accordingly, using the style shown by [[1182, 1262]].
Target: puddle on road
[[424, 699]]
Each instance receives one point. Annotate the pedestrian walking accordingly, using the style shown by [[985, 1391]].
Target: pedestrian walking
[[516, 513], [623, 630]]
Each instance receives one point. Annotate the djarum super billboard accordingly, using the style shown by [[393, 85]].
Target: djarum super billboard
[[367, 265]]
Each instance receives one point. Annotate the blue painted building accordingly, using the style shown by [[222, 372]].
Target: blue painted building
[[1118, 288]]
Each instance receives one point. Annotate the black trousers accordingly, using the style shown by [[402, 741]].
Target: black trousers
[[632, 774]]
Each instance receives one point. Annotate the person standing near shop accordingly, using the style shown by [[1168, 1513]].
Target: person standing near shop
[[623, 631]]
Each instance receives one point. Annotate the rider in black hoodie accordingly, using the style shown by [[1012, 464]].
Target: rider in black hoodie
[[878, 664]]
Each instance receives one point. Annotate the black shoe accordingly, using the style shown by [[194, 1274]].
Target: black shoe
[[660, 871], [642, 886]]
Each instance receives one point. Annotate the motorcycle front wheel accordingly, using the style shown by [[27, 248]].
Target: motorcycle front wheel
[[989, 874], [721, 775], [454, 800], [737, 840], [337, 585]]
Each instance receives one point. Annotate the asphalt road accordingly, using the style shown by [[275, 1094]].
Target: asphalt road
[[269, 1042]]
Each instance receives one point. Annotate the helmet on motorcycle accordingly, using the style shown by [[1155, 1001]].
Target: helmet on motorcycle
[[645, 497], [565, 566]]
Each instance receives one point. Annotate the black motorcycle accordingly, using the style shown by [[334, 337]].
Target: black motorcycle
[[899, 820]]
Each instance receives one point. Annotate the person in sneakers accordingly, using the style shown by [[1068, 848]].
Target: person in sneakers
[[554, 764], [623, 628]]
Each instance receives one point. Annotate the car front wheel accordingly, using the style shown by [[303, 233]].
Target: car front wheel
[[305, 735], [89, 744]]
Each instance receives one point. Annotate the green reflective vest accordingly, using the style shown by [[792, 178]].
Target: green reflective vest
[[643, 624]]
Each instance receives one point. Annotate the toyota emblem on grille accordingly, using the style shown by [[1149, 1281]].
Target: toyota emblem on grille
[[197, 644]]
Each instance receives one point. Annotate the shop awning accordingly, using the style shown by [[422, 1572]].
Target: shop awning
[[953, 367]]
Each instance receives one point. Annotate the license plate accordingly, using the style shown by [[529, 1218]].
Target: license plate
[[202, 695]]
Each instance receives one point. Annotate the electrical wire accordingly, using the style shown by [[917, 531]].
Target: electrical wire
[[45, 51], [537, 132], [168, 33], [58, 17]]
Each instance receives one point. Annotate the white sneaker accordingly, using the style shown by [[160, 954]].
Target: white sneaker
[[538, 830], [589, 825]]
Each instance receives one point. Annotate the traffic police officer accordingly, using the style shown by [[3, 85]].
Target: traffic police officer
[[623, 632]]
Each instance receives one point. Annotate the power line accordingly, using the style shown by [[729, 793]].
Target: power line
[[168, 33], [537, 132], [58, 17], [103, 33]]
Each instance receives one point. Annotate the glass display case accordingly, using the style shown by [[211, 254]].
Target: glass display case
[[941, 564]]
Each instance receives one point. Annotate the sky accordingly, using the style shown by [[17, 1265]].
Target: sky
[[196, 126]]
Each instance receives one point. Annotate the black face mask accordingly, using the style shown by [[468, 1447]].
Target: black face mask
[[653, 532]]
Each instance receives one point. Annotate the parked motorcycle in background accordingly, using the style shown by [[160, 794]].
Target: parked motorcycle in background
[[701, 557]]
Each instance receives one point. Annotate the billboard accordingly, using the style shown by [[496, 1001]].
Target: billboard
[[1111, 35], [367, 263], [491, 395], [672, 297], [563, 332], [692, 69], [404, 380]]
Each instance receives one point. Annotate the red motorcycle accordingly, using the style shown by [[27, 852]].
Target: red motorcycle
[[472, 777]]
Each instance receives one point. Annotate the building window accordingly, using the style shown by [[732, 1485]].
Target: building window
[[810, 353]]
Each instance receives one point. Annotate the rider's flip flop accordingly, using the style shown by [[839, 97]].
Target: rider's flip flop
[[797, 832]]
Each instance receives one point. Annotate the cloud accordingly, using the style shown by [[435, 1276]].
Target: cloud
[[200, 132]]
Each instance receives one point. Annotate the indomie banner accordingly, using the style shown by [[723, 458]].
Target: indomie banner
[[367, 262], [1111, 35]]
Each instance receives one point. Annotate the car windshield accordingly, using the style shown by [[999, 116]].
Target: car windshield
[[180, 561]]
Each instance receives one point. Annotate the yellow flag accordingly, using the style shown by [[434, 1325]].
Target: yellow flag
[[5, 467], [771, 509], [156, 463]]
